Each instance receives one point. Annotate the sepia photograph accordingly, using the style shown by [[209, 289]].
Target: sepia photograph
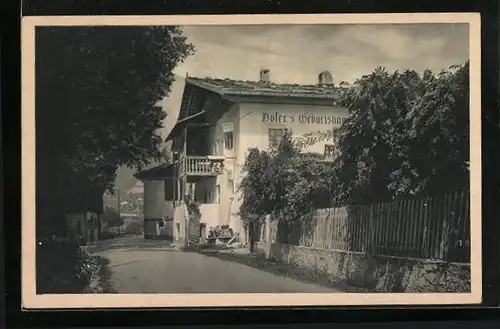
[[251, 160]]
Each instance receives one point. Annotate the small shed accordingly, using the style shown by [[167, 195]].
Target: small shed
[[158, 202]]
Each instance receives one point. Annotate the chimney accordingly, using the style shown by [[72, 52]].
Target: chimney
[[264, 75], [325, 79]]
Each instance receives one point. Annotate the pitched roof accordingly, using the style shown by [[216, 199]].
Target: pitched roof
[[137, 188], [260, 88], [230, 87]]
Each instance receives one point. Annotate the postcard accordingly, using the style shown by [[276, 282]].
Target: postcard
[[251, 160]]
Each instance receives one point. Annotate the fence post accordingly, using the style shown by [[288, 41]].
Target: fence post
[[371, 229], [445, 233], [425, 233]]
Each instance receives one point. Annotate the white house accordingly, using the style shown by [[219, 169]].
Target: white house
[[219, 120]]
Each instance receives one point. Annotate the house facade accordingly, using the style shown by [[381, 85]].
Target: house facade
[[219, 121]]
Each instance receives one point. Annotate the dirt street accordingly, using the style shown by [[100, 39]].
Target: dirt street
[[163, 270]]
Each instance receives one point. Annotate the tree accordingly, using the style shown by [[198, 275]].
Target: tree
[[283, 180], [97, 90], [256, 194], [407, 135], [438, 134]]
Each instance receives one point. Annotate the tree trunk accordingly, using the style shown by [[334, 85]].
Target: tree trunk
[[251, 229]]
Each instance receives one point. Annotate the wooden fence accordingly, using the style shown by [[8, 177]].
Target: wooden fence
[[428, 228]]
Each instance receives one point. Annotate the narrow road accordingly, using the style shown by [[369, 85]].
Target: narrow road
[[148, 270]]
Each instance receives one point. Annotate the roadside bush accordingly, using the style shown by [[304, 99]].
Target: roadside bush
[[283, 180], [63, 266]]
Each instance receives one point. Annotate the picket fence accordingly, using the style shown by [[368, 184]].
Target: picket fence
[[428, 228]]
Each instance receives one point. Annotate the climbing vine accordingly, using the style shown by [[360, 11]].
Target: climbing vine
[[193, 207], [282, 180]]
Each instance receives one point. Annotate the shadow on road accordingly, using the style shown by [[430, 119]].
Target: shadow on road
[[260, 262]]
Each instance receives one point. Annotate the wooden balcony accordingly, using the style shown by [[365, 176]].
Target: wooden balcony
[[209, 165]]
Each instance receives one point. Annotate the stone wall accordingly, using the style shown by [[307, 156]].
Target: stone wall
[[375, 273]]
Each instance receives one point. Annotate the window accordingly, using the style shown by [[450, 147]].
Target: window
[[208, 195], [329, 149], [181, 189], [205, 196], [228, 140], [336, 134], [275, 136]]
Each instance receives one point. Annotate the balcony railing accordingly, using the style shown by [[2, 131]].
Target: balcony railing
[[203, 165]]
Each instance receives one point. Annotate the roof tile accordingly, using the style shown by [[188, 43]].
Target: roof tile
[[230, 85]]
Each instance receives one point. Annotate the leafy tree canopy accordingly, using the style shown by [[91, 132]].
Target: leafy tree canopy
[[97, 94], [408, 135], [97, 90]]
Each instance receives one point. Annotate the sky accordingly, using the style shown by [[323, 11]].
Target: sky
[[298, 53]]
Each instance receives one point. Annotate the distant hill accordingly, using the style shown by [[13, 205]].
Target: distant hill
[[125, 179]]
